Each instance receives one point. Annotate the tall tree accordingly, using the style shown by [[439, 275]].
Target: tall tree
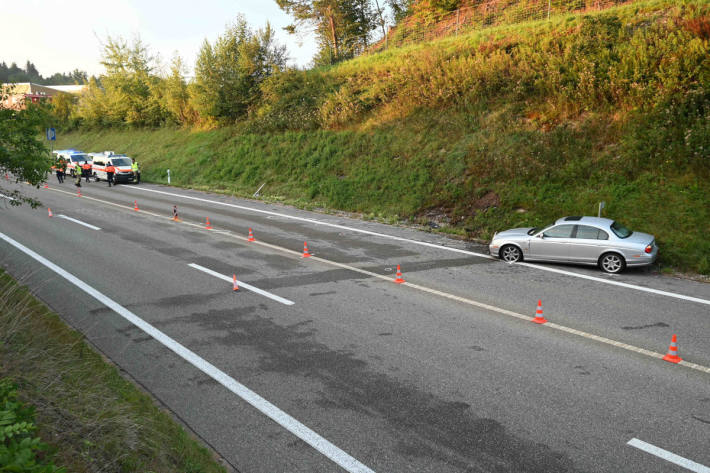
[[343, 26]]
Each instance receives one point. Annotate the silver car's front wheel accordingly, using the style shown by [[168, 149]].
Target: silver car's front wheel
[[511, 254], [612, 263]]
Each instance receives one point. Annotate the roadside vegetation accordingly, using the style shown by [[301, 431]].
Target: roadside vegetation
[[508, 126], [66, 406]]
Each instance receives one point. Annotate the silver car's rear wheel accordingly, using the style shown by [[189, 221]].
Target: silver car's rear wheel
[[511, 254], [612, 263]]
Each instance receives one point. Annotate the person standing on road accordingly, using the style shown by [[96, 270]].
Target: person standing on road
[[136, 171], [77, 175], [86, 170], [58, 169], [109, 173]]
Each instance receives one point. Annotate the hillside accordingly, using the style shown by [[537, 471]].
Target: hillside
[[507, 126]]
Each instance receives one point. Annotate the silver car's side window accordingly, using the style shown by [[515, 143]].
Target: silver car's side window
[[603, 235], [587, 233], [560, 231]]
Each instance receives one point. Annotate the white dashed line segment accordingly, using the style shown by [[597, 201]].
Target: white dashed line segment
[[242, 284], [79, 222], [335, 454], [668, 456]]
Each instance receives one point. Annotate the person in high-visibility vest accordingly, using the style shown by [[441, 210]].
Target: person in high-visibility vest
[[86, 170], [136, 171], [109, 173]]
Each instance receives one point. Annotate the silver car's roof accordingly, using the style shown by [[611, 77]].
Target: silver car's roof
[[595, 221]]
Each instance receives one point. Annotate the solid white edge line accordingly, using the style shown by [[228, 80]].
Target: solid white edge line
[[7, 197], [433, 245], [668, 456], [618, 283], [78, 221], [242, 284], [319, 443]]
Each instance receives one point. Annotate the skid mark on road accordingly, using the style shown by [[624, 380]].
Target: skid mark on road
[[488, 307]]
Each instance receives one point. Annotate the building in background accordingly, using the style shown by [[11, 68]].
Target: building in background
[[18, 95]]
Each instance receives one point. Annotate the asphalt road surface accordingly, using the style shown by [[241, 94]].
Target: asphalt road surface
[[324, 364]]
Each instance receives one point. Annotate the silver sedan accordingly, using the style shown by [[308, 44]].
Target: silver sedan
[[585, 240]]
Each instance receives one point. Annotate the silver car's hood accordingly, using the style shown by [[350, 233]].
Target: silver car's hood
[[514, 232]]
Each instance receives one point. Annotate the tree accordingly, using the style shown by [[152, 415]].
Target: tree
[[228, 73], [342, 26], [21, 153], [176, 93]]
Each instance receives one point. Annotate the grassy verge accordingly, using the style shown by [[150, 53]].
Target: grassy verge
[[92, 418]]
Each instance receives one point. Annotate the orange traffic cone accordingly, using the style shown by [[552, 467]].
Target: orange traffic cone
[[306, 254], [208, 226], [50, 212], [135, 205], [236, 288], [539, 319], [78, 192], [399, 279], [46, 186], [251, 236], [7, 177], [672, 355]]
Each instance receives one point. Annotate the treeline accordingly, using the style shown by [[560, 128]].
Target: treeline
[[14, 73]]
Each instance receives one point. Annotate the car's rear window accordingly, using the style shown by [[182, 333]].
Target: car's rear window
[[620, 230]]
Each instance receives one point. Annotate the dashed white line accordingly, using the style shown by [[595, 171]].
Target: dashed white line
[[79, 222], [433, 245], [242, 284], [7, 197], [668, 456], [335, 454]]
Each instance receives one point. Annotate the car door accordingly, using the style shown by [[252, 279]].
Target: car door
[[552, 244], [587, 244]]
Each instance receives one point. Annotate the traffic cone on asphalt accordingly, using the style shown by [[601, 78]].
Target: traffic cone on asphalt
[[306, 254], [399, 279], [251, 236], [672, 355], [208, 226], [175, 214], [78, 192], [234, 277], [135, 205], [46, 186], [539, 319], [7, 177], [50, 212]]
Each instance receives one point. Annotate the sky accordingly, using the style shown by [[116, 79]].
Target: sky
[[60, 36]]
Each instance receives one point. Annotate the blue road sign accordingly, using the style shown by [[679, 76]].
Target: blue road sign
[[51, 134]]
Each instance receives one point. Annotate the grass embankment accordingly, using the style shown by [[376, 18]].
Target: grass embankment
[[92, 418], [510, 126]]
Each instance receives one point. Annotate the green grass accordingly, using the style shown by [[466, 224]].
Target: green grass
[[513, 125], [92, 418]]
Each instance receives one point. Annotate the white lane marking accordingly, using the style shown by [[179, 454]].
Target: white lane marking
[[668, 456], [6, 197], [319, 443], [242, 284], [433, 245], [617, 283], [79, 222], [561, 328]]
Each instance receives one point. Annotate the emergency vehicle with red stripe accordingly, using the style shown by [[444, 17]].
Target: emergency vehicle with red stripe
[[121, 163]]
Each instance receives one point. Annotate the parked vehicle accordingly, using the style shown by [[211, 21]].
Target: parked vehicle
[[122, 164], [584, 240], [72, 158]]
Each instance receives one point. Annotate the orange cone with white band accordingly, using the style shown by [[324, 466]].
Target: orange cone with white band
[[208, 226], [306, 254], [50, 212], [539, 319], [234, 277], [78, 193], [135, 205], [46, 186], [672, 355], [251, 236], [399, 279]]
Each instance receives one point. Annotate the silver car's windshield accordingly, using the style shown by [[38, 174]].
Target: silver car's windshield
[[535, 230], [620, 230]]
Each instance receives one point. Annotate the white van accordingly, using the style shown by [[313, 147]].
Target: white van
[[121, 163], [72, 158]]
